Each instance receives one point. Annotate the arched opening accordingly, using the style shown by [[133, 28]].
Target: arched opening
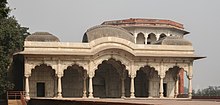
[[73, 81], [172, 79], [144, 76], [151, 38], [140, 38], [110, 80], [43, 81], [162, 36]]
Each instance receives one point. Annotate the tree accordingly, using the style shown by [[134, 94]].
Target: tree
[[209, 91], [12, 37]]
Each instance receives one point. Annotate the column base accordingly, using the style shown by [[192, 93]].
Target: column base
[[90, 95], [132, 95], [84, 94], [59, 96], [175, 96], [27, 98], [149, 97], [84, 97], [161, 97], [123, 97], [190, 96]]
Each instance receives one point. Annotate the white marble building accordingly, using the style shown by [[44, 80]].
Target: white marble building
[[117, 59]]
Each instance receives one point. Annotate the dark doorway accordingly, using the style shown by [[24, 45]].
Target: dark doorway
[[141, 84], [165, 89], [40, 89]]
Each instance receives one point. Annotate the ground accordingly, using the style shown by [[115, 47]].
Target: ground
[[141, 101]]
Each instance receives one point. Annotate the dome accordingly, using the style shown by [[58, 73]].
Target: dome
[[106, 31], [42, 37], [171, 40]]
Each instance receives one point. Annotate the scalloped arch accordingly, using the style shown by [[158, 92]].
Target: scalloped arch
[[123, 60]]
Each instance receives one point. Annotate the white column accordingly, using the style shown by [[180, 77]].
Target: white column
[[161, 86], [27, 96], [176, 88], [90, 87], [59, 89], [84, 87], [122, 88], [145, 36], [190, 87], [132, 95], [135, 37]]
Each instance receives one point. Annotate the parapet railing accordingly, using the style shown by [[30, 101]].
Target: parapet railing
[[16, 95]]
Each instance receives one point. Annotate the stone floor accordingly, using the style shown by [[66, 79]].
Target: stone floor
[[142, 101]]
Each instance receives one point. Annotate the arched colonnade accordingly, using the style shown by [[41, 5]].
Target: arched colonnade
[[105, 76]]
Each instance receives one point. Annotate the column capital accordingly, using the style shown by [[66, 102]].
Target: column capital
[[162, 76], [91, 74], [59, 75], [189, 77], [133, 76], [27, 75]]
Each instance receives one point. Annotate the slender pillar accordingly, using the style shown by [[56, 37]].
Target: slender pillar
[[90, 87], [122, 88], [27, 96], [59, 89], [132, 95], [145, 36], [84, 88], [161, 86], [176, 88], [190, 87]]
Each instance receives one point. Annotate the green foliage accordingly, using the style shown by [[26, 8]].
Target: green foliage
[[210, 91], [12, 36], [4, 10]]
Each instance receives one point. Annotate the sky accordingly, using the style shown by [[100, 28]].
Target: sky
[[69, 19]]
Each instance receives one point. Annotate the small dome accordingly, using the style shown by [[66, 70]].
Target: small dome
[[107, 31], [171, 40], [42, 37]]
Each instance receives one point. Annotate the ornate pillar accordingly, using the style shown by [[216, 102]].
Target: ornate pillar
[[27, 96], [59, 89], [59, 82], [122, 88], [84, 88], [190, 75], [91, 75], [132, 95], [190, 86], [161, 86]]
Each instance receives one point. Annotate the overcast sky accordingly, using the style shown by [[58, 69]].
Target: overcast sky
[[69, 19]]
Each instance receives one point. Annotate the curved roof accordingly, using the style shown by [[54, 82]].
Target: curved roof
[[42, 37], [171, 40], [106, 31]]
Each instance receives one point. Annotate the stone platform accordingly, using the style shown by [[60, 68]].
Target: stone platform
[[126, 101]]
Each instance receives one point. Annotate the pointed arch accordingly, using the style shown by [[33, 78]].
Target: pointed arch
[[140, 39], [151, 38], [110, 75], [43, 81], [145, 77], [122, 60]]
